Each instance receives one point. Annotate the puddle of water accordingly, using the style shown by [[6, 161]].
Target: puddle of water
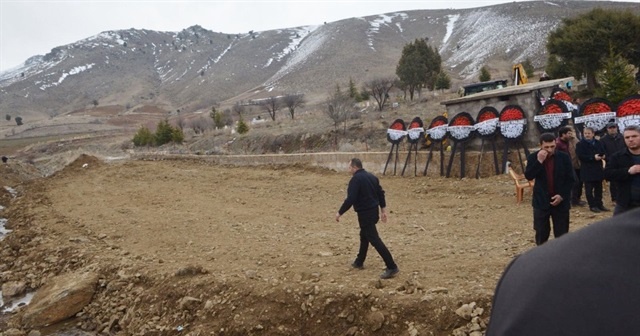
[[25, 300], [3, 231]]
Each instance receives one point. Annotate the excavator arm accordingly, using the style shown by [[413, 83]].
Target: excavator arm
[[519, 75]]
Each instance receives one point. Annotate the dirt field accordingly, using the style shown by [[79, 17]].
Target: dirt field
[[213, 250]]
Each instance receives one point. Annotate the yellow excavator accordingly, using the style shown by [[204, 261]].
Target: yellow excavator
[[519, 75]]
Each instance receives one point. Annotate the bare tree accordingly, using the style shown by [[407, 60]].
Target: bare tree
[[271, 105], [293, 101], [379, 89], [338, 106], [200, 125], [180, 122], [238, 109]]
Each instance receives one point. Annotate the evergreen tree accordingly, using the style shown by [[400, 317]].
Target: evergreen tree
[[484, 74], [418, 66], [557, 68], [443, 81], [353, 91], [242, 127], [164, 133], [583, 42], [177, 135], [617, 79], [528, 68], [143, 137], [218, 118]]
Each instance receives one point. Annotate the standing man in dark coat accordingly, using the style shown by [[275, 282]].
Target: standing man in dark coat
[[613, 142], [553, 173], [365, 195], [591, 154], [624, 169], [566, 142]]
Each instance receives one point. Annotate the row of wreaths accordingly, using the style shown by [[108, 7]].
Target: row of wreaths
[[511, 121]]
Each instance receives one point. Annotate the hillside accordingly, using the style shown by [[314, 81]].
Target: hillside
[[107, 86]]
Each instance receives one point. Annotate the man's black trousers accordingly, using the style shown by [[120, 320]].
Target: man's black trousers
[[369, 235]]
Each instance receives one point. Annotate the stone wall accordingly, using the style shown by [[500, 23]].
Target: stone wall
[[372, 161]]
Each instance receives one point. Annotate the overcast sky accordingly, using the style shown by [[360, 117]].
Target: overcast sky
[[32, 27]]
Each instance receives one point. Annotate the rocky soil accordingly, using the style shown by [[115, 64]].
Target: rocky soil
[[184, 247]]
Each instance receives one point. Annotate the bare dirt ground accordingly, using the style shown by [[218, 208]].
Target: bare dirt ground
[[183, 247]]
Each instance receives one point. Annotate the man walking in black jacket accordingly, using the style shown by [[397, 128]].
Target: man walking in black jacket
[[365, 195], [554, 177]]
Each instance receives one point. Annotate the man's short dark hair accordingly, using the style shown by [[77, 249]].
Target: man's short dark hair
[[355, 162], [632, 128], [564, 130], [547, 137]]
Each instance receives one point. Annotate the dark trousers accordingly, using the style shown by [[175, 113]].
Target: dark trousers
[[613, 189], [593, 191], [576, 192], [369, 235], [542, 225]]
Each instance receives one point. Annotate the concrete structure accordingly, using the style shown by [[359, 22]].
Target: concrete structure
[[522, 95]]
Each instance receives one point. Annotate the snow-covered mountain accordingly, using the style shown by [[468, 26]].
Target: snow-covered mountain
[[192, 69]]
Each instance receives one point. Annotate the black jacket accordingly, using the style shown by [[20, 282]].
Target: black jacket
[[562, 178], [591, 170], [364, 193], [617, 171], [584, 283], [612, 144]]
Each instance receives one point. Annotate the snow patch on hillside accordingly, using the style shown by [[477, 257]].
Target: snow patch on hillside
[[484, 34], [313, 41], [450, 24], [297, 36], [379, 21]]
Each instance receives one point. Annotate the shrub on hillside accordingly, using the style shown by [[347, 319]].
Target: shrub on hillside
[[143, 137], [165, 133], [242, 127]]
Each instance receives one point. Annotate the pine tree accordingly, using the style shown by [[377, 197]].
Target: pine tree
[[443, 81], [353, 91], [484, 74], [616, 79], [242, 127], [164, 133], [143, 137]]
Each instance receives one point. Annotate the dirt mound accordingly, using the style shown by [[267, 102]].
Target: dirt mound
[[15, 172]]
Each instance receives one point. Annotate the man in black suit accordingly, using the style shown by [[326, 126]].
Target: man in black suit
[[553, 174]]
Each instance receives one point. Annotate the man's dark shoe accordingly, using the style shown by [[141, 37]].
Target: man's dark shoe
[[389, 273], [602, 208], [357, 265], [579, 203], [594, 209]]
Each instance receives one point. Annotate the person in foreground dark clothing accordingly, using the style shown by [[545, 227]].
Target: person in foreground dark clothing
[[584, 284], [365, 195], [624, 169], [553, 172]]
